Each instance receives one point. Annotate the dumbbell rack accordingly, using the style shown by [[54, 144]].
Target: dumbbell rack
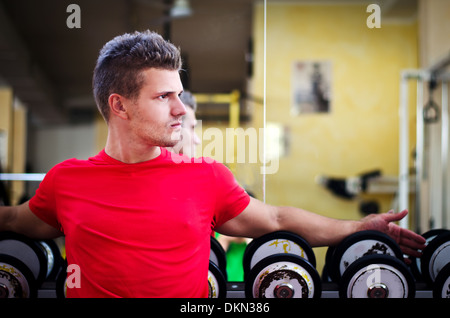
[[374, 248], [235, 290], [329, 290]]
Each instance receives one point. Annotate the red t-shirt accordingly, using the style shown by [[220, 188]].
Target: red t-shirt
[[139, 230]]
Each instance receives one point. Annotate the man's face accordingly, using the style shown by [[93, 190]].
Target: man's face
[[156, 115]]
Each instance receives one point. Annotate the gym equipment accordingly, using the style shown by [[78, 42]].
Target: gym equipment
[[218, 255], [441, 286], [358, 245], [432, 185], [415, 265], [274, 243], [61, 281], [377, 276], [16, 279], [283, 276], [435, 257], [326, 277], [280, 265], [351, 187], [26, 263], [431, 109], [28, 251], [217, 282], [369, 264], [217, 272]]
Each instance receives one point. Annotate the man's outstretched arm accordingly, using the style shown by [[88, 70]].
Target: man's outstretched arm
[[260, 218], [20, 219]]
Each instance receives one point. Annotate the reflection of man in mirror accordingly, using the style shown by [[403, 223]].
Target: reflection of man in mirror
[[189, 139], [321, 100]]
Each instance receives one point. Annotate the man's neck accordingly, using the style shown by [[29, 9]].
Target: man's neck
[[129, 152]]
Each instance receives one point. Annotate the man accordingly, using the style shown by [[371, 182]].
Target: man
[[137, 220], [189, 139]]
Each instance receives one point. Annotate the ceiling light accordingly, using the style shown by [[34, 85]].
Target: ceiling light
[[180, 9]]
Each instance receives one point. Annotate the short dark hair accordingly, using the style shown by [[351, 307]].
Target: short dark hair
[[121, 62]]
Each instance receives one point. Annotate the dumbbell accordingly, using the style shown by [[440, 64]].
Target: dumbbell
[[326, 276], [369, 264], [16, 279], [435, 265], [415, 265], [217, 272], [441, 288], [40, 258], [280, 265], [28, 253], [61, 281]]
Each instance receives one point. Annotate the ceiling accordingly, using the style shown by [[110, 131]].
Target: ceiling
[[49, 65]]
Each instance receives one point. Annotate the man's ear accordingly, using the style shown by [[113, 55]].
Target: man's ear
[[117, 105]]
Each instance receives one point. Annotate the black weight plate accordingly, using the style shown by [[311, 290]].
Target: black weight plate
[[326, 277], [217, 282], [26, 250], [218, 255], [441, 286], [21, 279], [288, 269], [415, 261], [377, 276], [329, 254], [435, 256], [61, 279], [275, 243], [361, 244]]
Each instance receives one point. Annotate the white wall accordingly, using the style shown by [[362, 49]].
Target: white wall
[[53, 145]]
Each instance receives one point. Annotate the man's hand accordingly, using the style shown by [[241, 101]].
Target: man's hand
[[409, 241]]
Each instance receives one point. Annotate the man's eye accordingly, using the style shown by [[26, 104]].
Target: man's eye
[[163, 96]]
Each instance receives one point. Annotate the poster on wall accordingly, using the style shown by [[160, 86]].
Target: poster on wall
[[311, 87]]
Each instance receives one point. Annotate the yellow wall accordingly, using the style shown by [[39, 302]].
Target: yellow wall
[[13, 116], [361, 131], [6, 127]]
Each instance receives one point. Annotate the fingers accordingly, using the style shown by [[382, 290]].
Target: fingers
[[410, 251], [412, 238], [404, 234], [411, 243], [394, 217]]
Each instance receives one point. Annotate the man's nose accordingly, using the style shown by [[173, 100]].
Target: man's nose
[[178, 108]]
